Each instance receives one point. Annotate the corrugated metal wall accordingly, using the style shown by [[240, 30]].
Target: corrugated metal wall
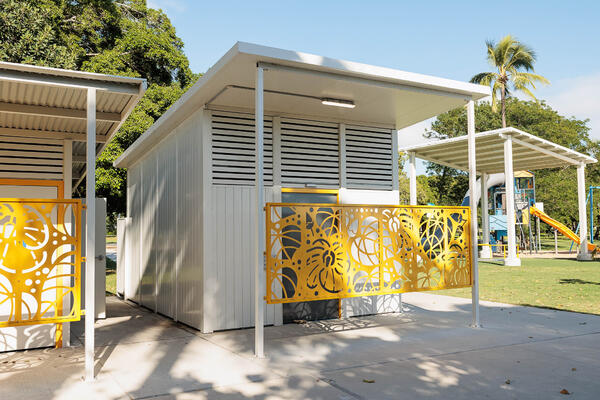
[[165, 232], [148, 227], [229, 261], [189, 222], [133, 237]]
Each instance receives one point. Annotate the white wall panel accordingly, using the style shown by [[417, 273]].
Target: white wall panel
[[133, 235], [148, 227], [189, 222], [166, 243], [229, 247]]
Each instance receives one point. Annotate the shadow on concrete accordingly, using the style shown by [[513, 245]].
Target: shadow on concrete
[[426, 352]]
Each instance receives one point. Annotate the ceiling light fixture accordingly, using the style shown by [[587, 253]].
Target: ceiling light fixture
[[338, 103]]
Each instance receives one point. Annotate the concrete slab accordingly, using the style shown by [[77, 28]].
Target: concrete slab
[[429, 351]]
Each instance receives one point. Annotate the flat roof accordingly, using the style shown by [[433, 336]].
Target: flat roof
[[529, 152], [295, 83], [44, 105]]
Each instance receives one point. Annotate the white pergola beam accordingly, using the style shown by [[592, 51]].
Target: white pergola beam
[[57, 112], [545, 151], [43, 134], [459, 147], [72, 81]]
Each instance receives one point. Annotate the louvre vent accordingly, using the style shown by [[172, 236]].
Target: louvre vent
[[368, 157], [233, 144], [309, 152], [30, 158]]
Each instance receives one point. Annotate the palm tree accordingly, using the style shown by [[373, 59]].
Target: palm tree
[[514, 63]]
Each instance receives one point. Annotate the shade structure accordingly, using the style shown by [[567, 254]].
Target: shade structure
[[506, 150], [530, 152], [42, 107], [53, 124]]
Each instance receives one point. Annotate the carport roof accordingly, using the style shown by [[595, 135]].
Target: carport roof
[[43, 106], [295, 83], [529, 152]]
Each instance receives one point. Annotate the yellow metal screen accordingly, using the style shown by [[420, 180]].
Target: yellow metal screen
[[323, 251], [40, 261]]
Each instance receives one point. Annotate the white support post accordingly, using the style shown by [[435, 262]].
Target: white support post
[[90, 233], [486, 250], [472, 186], [584, 254], [259, 267], [412, 176], [509, 183], [67, 184]]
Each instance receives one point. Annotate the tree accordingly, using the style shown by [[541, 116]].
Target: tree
[[28, 34], [556, 188], [509, 57], [119, 38]]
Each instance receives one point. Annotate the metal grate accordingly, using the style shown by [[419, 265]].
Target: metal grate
[[309, 153], [233, 145], [369, 157]]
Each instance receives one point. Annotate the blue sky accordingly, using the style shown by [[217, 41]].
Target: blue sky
[[442, 38]]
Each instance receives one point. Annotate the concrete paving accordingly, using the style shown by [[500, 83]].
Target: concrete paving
[[428, 352]]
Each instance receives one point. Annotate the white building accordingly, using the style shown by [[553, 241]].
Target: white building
[[330, 135]]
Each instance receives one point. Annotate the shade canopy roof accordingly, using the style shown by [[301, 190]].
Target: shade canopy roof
[[529, 152], [296, 83], [42, 106]]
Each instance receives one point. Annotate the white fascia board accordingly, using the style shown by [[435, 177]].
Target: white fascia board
[[74, 75], [184, 106], [351, 68]]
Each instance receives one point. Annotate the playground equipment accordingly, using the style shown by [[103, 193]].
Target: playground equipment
[[559, 226], [524, 182], [528, 229]]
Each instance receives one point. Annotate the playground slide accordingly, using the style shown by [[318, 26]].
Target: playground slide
[[493, 180], [558, 226]]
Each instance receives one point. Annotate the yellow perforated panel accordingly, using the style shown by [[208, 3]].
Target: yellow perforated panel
[[323, 251], [40, 261]]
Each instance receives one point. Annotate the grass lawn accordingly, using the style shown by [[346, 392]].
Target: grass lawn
[[552, 283], [111, 276]]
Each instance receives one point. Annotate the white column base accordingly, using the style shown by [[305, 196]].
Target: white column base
[[485, 253], [585, 257], [512, 262]]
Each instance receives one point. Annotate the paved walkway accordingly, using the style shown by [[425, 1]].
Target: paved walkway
[[429, 352]]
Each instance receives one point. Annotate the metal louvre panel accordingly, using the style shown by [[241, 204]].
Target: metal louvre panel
[[309, 152], [369, 157], [233, 144], [31, 158]]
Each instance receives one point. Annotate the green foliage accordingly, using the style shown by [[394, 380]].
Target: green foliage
[[556, 188], [29, 35], [119, 38], [510, 58]]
